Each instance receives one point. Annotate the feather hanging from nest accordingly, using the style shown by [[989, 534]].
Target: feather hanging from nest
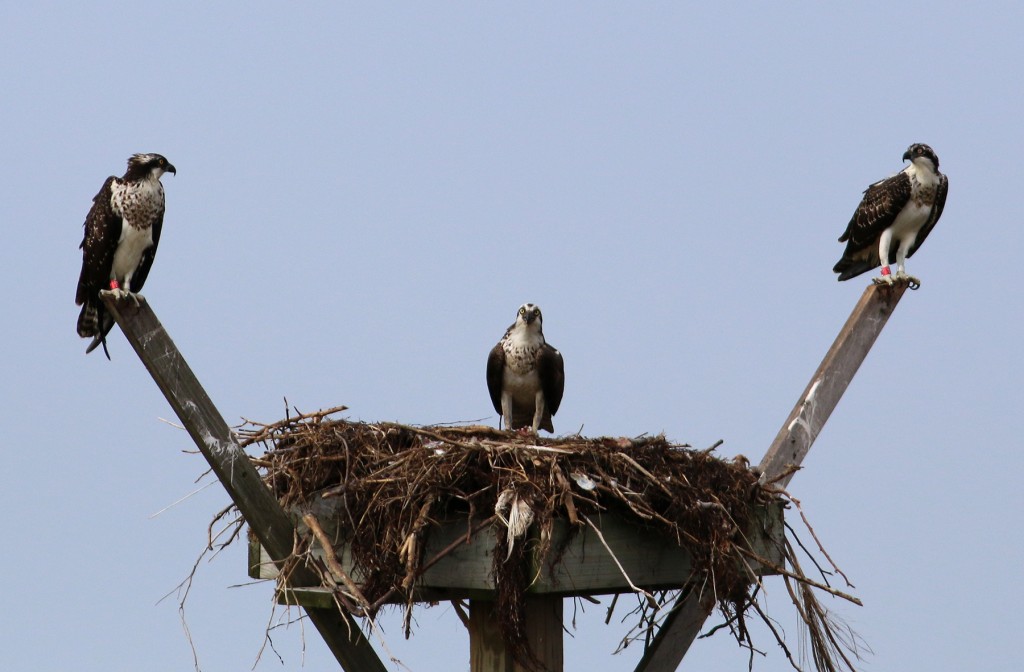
[[517, 520]]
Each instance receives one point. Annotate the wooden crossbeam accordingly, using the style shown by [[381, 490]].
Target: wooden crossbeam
[[239, 477], [786, 452], [653, 561]]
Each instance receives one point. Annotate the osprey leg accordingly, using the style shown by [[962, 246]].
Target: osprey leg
[[126, 292], [506, 409], [538, 410], [901, 257], [884, 241]]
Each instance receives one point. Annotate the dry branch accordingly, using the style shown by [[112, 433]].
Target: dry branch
[[393, 483]]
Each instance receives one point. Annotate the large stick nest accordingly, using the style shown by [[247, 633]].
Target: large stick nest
[[393, 482]]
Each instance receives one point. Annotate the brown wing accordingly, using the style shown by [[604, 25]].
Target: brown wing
[[495, 374], [877, 211], [933, 218], [551, 371], [102, 233]]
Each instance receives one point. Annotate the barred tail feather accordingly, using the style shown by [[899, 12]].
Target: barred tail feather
[[89, 319], [95, 322]]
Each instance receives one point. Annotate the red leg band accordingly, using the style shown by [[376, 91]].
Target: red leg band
[[114, 285], [885, 270]]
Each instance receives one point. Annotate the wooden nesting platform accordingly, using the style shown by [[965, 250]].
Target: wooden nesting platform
[[589, 565], [411, 514], [753, 543]]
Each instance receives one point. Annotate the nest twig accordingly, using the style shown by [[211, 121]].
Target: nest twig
[[393, 482]]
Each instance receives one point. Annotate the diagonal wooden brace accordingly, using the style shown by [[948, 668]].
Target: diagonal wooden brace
[[786, 452], [217, 443]]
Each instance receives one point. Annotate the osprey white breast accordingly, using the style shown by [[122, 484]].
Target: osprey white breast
[[137, 204], [525, 375]]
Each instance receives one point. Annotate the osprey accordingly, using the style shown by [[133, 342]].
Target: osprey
[[122, 231], [894, 217], [525, 375]]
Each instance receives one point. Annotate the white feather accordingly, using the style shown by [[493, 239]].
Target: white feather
[[128, 198]]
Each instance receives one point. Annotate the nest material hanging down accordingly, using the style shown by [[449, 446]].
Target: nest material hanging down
[[394, 481]]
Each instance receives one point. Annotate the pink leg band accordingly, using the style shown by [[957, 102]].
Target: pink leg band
[[114, 285], [885, 270]]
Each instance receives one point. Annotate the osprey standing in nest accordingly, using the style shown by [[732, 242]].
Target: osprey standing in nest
[[894, 217], [122, 231], [525, 375]]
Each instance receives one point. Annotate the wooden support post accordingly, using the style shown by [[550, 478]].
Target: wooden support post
[[829, 382], [791, 445], [543, 621], [239, 477]]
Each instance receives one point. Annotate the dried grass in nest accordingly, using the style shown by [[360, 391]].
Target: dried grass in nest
[[395, 480]]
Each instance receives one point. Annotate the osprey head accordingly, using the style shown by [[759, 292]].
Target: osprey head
[[528, 314], [920, 153], [141, 165]]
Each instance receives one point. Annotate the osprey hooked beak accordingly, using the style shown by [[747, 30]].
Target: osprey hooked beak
[[170, 169], [906, 155]]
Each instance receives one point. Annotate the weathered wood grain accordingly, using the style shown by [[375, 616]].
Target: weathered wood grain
[[543, 624], [219, 446], [830, 380], [650, 559], [787, 451]]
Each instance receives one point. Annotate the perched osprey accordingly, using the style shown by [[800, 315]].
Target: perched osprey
[[122, 231], [525, 375], [894, 217]]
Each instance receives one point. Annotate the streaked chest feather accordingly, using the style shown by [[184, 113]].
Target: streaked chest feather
[[923, 187], [521, 352], [138, 203]]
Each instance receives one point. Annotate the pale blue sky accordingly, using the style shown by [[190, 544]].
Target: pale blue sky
[[365, 196]]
